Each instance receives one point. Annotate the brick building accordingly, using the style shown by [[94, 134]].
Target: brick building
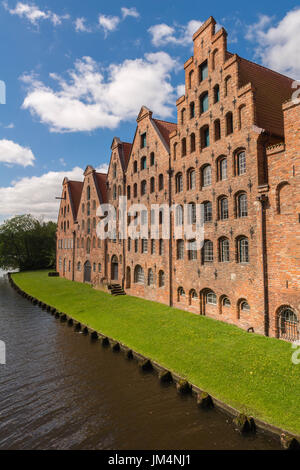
[[233, 150]]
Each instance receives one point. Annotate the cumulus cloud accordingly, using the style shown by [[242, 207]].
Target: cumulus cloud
[[109, 23], [81, 26], [130, 12], [34, 14], [12, 153], [93, 98], [163, 34], [36, 195], [180, 90], [278, 46]]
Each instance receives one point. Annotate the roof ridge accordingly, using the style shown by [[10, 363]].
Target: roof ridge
[[266, 68], [162, 120]]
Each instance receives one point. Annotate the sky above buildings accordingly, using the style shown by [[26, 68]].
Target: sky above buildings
[[77, 74]]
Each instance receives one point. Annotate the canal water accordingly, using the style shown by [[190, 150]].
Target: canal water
[[60, 390]]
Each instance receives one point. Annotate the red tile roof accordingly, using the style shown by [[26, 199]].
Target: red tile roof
[[101, 182], [126, 146], [165, 128], [272, 89], [75, 190]]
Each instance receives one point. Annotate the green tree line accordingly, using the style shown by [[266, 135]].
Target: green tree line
[[27, 243]]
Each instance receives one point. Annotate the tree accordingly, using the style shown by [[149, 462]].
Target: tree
[[27, 243]]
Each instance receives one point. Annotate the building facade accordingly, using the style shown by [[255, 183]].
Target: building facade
[[234, 150]]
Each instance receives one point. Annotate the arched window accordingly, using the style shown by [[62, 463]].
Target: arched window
[[223, 208], [135, 166], [204, 136], [152, 159], [207, 209], [78, 266], [222, 168], [152, 184], [181, 293], [88, 246], [224, 255], [203, 71], [179, 183], [229, 123], [150, 277], [143, 163], [288, 324], [143, 187], [88, 193], [99, 267], [242, 205], [208, 252], [179, 215], [191, 77], [161, 279], [241, 163], [192, 110], [227, 85], [217, 129], [183, 147], [175, 150], [135, 190], [216, 93], [192, 249], [204, 103], [245, 307], [128, 192], [226, 302], [180, 249], [182, 116], [161, 182], [193, 296], [193, 142], [139, 275], [191, 179], [242, 250], [192, 213], [211, 298], [206, 176]]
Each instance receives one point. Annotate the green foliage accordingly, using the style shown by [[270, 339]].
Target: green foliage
[[252, 373], [27, 243]]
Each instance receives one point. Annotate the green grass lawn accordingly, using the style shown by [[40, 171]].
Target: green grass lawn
[[249, 372]]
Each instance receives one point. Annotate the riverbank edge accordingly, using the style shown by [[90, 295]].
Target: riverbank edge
[[287, 438]]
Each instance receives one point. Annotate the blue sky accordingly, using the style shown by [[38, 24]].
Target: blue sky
[[78, 72]]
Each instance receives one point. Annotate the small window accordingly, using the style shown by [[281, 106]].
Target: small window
[[203, 71], [135, 166], [192, 250], [229, 123], [226, 302], [192, 215], [180, 249], [143, 140], [204, 136], [88, 191], [217, 129], [179, 183], [223, 208], [211, 298], [135, 190], [143, 187], [150, 277], [144, 246], [208, 252], [139, 275], [192, 110], [183, 147], [243, 250], [161, 279], [161, 247], [241, 163], [207, 208], [152, 184], [161, 182], [216, 93], [242, 205], [179, 215], [143, 163], [204, 102], [224, 250], [153, 250], [245, 306], [206, 176], [191, 177], [152, 159], [193, 142]]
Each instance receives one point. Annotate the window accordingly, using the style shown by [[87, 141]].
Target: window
[[152, 159], [208, 252], [78, 266], [150, 277], [222, 169], [245, 306], [217, 129], [211, 298], [207, 209], [180, 249], [179, 183], [193, 142], [226, 302], [182, 116], [181, 293], [204, 102], [183, 147], [136, 245], [161, 247], [191, 179], [242, 205], [139, 275], [175, 150], [135, 190], [143, 140], [241, 163], [161, 216], [94, 267], [223, 208], [227, 85], [192, 110], [88, 209], [203, 71], [160, 182], [88, 193], [192, 213], [242, 116], [88, 226], [143, 187], [129, 244], [99, 267], [179, 215], [143, 163], [144, 245], [153, 250], [204, 136], [161, 279], [152, 184], [216, 93], [114, 170], [191, 75], [206, 176], [224, 250], [192, 251], [114, 192], [243, 250], [135, 167], [229, 123], [193, 295], [128, 192]]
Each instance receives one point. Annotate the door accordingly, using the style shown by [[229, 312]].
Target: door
[[87, 272]]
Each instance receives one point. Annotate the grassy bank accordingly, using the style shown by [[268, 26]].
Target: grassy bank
[[249, 372]]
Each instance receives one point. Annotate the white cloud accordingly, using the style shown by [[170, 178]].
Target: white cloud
[[10, 126], [163, 34], [80, 25], [130, 12], [33, 14], [180, 90], [108, 23], [12, 153], [36, 195], [279, 45], [90, 100], [62, 162]]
